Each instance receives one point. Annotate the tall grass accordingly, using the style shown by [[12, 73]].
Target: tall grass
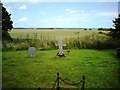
[[94, 40]]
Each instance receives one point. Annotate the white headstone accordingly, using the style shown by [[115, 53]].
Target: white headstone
[[60, 44], [32, 51]]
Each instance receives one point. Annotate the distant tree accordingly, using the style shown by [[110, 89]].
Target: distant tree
[[100, 28], [6, 24], [110, 29], [115, 33]]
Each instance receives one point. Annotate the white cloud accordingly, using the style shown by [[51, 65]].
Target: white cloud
[[80, 17], [23, 19], [66, 19], [75, 16], [72, 11], [75, 12], [23, 7], [104, 14]]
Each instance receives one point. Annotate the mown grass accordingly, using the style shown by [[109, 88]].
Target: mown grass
[[99, 66]]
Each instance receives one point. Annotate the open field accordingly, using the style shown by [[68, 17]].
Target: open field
[[47, 39], [24, 33], [99, 66]]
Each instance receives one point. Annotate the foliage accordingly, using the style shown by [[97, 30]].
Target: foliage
[[104, 29], [100, 28], [6, 36], [115, 33], [6, 24], [89, 39]]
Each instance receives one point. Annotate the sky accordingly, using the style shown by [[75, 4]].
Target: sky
[[39, 14]]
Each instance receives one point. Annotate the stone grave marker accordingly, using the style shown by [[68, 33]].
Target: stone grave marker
[[68, 50], [60, 44], [32, 52]]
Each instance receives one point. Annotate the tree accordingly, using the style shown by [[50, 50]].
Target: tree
[[115, 33], [6, 24], [100, 28]]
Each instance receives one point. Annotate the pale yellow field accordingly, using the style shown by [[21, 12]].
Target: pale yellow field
[[24, 33]]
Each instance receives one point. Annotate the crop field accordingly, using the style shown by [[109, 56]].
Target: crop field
[[24, 33], [24, 38]]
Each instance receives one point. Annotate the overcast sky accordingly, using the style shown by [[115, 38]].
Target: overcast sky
[[62, 14]]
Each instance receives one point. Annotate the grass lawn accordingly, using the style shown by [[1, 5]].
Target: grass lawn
[[99, 66]]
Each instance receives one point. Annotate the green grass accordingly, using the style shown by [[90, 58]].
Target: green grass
[[99, 67]]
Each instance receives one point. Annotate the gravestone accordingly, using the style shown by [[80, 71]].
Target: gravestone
[[32, 52], [68, 50], [60, 51]]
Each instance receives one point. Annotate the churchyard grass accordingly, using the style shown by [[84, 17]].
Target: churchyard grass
[[99, 66]]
